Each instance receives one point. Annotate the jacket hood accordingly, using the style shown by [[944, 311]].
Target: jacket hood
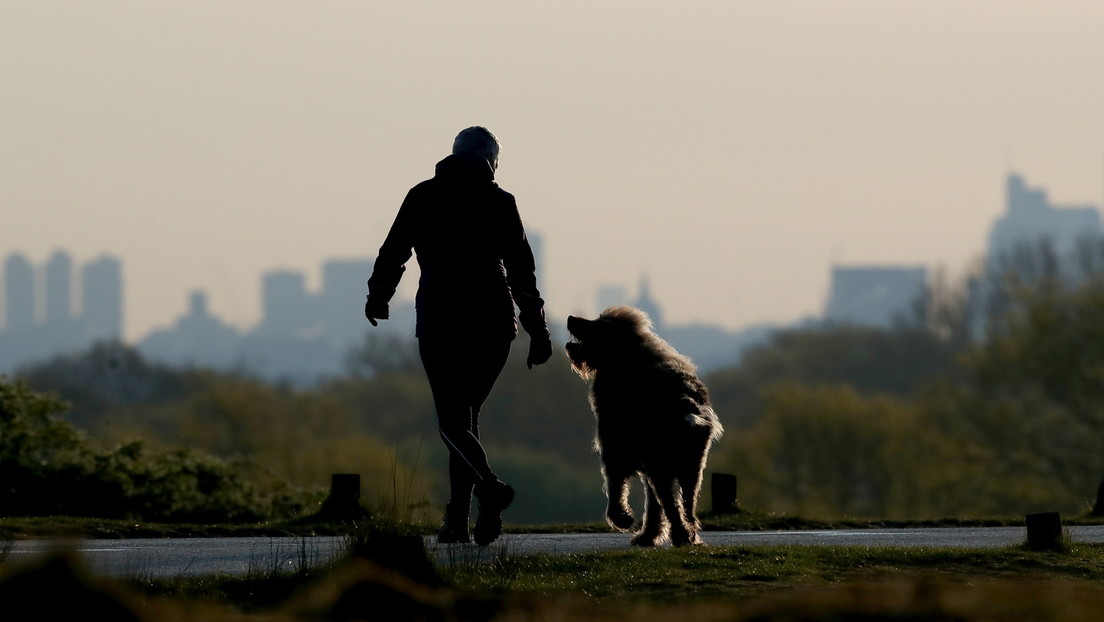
[[465, 167]]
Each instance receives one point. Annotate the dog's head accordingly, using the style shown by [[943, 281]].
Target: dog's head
[[616, 331]]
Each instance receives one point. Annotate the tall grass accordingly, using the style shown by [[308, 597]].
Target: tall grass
[[400, 506]]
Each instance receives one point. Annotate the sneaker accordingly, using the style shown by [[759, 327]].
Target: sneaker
[[453, 534], [454, 528], [494, 497]]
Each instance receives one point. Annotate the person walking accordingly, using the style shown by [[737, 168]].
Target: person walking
[[476, 265]]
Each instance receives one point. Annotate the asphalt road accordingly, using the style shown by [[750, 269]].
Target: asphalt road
[[176, 557]]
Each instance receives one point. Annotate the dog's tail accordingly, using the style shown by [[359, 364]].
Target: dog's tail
[[705, 417]]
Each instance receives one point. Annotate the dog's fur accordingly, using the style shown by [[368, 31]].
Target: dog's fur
[[654, 420]]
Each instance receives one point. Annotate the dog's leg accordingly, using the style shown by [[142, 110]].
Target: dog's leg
[[687, 496], [654, 529], [670, 498], [618, 513], [690, 481]]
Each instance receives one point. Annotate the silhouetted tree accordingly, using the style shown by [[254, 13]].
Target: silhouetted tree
[[871, 360], [383, 353], [108, 375]]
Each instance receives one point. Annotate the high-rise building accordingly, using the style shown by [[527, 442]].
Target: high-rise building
[[286, 307], [19, 294], [341, 301], [102, 298], [1031, 217], [874, 296], [58, 301]]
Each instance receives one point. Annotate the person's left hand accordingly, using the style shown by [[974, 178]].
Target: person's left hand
[[540, 350], [375, 311]]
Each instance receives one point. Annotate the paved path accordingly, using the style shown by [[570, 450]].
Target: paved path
[[965, 537], [181, 557], [240, 556]]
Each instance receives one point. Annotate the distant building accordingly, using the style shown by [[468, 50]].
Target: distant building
[[615, 295], [1033, 239], [648, 305], [198, 339], [286, 308], [341, 301], [875, 296], [41, 320], [102, 299], [58, 302], [303, 336], [1030, 217], [710, 347], [610, 296], [335, 313], [19, 294]]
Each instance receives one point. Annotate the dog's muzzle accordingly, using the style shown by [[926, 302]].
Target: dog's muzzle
[[577, 326]]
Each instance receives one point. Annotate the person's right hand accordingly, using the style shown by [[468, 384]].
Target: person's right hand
[[375, 311]]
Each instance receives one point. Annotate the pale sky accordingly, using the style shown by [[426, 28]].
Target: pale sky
[[729, 151]]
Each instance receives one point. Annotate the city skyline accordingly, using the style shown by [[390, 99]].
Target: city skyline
[[732, 152], [299, 302], [305, 334]]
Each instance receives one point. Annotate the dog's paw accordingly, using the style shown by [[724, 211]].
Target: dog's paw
[[689, 539], [621, 520], [644, 540]]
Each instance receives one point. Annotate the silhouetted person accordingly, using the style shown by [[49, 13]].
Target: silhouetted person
[[476, 265]]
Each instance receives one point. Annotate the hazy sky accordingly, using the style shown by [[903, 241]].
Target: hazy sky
[[730, 151]]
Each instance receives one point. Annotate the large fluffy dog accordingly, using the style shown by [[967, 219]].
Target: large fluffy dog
[[654, 421]]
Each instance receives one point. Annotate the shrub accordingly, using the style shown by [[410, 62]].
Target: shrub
[[50, 468]]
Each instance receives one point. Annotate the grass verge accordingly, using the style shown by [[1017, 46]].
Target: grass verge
[[388, 570], [708, 583]]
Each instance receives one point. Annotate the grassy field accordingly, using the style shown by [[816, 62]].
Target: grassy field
[[711, 583], [814, 583], [388, 576]]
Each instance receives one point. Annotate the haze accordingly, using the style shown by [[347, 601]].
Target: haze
[[730, 152]]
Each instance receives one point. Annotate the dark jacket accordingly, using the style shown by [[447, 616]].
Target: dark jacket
[[475, 260]]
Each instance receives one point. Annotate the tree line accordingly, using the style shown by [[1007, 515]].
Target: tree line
[[988, 400]]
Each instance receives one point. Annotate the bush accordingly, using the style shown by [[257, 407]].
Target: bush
[[50, 468]]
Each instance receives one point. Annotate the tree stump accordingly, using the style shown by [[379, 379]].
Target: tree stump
[[343, 503], [1044, 531]]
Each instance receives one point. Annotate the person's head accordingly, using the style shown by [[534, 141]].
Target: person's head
[[477, 141]]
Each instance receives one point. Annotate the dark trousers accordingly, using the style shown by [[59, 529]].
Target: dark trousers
[[461, 375]]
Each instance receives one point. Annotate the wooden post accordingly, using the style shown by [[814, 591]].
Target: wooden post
[[1044, 531], [724, 493], [344, 500]]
